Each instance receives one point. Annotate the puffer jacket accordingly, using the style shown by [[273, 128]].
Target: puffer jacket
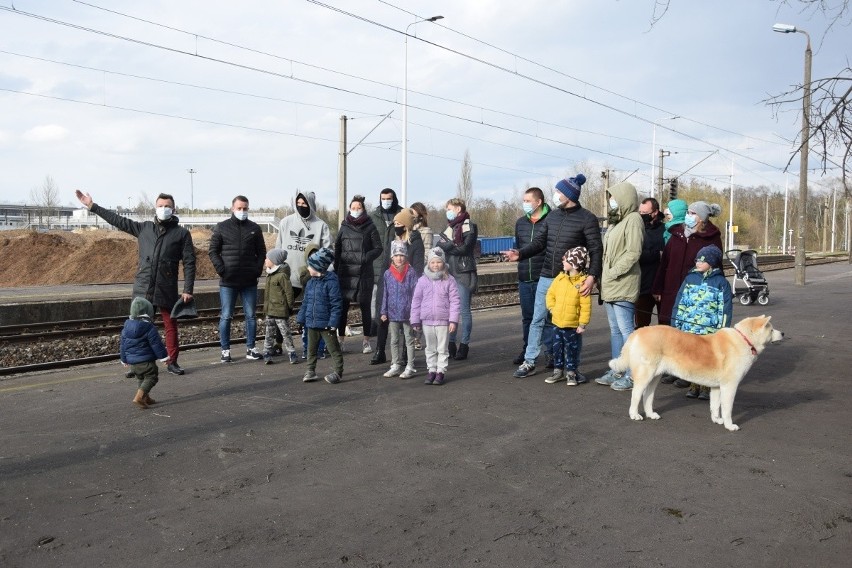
[[563, 229], [237, 251], [529, 269], [652, 249], [567, 307], [435, 301], [162, 247], [355, 249], [460, 260], [383, 220], [322, 304], [704, 303], [140, 342], [396, 300], [622, 248], [278, 297]]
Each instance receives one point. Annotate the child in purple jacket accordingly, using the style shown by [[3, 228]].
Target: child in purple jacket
[[400, 280], [435, 307]]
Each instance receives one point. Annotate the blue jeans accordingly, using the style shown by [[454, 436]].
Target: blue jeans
[[540, 329], [466, 323], [228, 299], [526, 293], [621, 325]]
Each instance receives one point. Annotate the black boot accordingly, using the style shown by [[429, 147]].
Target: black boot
[[462, 352], [452, 349], [378, 358]]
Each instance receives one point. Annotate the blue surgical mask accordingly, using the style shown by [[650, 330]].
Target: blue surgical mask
[[451, 215], [164, 213], [241, 215], [528, 208], [356, 213], [613, 204], [690, 221], [387, 203]]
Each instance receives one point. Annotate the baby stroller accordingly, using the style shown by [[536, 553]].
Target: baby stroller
[[746, 271]]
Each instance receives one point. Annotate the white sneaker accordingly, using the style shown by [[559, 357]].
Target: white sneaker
[[393, 371], [407, 373], [555, 377], [226, 356], [367, 347]]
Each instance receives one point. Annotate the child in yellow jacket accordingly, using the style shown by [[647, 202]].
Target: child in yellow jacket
[[570, 313]]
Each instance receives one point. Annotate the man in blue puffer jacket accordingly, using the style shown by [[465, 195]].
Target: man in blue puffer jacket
[[322, 307], [141, 347]]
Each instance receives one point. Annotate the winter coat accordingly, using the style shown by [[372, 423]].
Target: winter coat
[[435, 300], [427, 236], [237, 251], [567, 307], [704, 303], [460, 260], [396, 300], [140, 342], [322, 304], [622, 248], [563, 229], [529, 269], [162, 247], [383, 220], [355, 249], [678, 259], [652, 248], [296, 232], [278, 298]]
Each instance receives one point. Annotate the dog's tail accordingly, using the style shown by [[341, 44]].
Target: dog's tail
[[622, 363]]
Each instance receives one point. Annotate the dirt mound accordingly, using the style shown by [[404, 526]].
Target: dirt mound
[[101, 256]]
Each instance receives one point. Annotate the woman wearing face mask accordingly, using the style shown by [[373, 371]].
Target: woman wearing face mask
[[357, 245], [696, 232]]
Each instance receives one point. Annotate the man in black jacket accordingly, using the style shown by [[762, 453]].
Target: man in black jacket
[[163, 245], [382, 217], [237, 251], [567, 226], [649, 262]]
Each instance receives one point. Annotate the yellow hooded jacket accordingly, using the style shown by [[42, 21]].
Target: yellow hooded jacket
[[567, 306]]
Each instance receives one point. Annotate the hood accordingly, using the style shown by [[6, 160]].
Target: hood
[[394, 205], [308, 196], [311, 249], [626, 196]]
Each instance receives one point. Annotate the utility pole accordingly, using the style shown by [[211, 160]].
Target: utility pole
[[766, 228], [663, 154], [341, 173], [191, 189], [825, 225], [605, 176]]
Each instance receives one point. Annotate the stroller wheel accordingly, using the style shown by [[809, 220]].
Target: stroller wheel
[[763, 299], [745, 299]]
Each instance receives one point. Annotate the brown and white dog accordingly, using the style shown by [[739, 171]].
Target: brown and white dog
[[719, 361]]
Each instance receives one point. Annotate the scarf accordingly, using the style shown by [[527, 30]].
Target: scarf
[[456, 225], [397, 274], [357, 222]]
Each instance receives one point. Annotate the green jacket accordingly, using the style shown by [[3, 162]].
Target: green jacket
[[622, 248], [278, 298]]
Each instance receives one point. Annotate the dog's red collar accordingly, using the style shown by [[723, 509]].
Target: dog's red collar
[[753, 350]]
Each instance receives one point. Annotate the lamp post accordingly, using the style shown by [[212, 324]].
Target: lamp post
[[803, 153], [191, 189], [404, 188]]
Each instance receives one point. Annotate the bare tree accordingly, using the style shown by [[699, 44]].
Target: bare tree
[[46, 196], [465, 186]]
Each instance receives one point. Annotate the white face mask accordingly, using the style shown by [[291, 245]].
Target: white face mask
[[451, 215], [241, 215], [612, 203], [557, 200], [356, 213], [386, 203], [164, 213]]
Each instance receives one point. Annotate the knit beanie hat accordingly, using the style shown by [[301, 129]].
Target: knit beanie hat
[[711, 254], [399, 248], [578, 257], [321, 260], [677, 207], [435, 253], [277, 256], [405, 218], [570, 187], [704, 210], [140, 307]]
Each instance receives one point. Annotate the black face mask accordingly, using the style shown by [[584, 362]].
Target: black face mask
[[304, 211], [399, 231], [647, 217]]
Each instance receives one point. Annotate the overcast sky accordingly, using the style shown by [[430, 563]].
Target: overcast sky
[[121, 98]]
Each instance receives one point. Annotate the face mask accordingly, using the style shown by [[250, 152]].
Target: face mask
[[387, 204], [271, 269], [451, 215], [557, 200], [304, 211], [613, 204], [528, 208], [399, 231], [357, 213], [241, 215], [646, 217], [690, 221], [164, 213]]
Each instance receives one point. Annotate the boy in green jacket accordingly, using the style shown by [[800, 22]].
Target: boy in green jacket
[[278, 304]]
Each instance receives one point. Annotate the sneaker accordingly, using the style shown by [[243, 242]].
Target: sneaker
[[175, 369], [439, 379], [555, 377], [622, 384], [417, 345], [704, 394], [571, 378], [393, 371], [581, 378], [692, 392], [253, 354], [681, 384], [668, 379], [310, 377], [367, 348], [332, 378], [267, 359], [609, 378], [130, 375], [293, 358], [525, 370], [226, 356], [430, 378], [407, 373]]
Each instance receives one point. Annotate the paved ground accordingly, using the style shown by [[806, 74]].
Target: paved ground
[[244, 465]]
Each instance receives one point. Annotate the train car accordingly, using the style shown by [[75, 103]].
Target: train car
[[490, 247]]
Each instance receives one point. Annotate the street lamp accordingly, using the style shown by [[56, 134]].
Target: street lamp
[[404, 188], [803, 152], [191, 189]]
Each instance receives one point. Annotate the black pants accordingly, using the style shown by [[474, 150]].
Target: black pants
[[366, 318]]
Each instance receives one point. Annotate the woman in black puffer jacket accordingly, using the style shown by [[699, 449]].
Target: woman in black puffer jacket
[[357, 245]]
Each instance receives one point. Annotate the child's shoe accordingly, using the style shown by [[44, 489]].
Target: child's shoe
[[139, 399], [366, 347], [439, 379], [332, 378], [310, 377], [555, 377], [293, 358], [430, 378], [393, 371], [693, 391], [267, 358], [148, 400], [407, 373], [704, 393], [571, 378]]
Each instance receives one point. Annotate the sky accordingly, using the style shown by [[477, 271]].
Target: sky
[[122, 98]]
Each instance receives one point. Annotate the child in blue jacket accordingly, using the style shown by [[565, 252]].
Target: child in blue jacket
[[322, 307], [140, 348]]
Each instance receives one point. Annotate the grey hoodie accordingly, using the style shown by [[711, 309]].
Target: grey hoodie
[[295, 233]]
